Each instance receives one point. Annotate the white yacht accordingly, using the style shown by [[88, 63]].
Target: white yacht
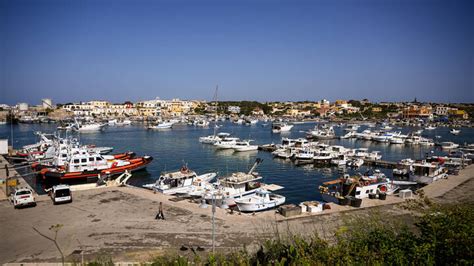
[[448, 145], [455, 131], [386, 137], [226, 143], [89, 127], [261, 200], [241, 146], [213, 138], [162, 125], [281, 127], [398, 139], [430, 127]]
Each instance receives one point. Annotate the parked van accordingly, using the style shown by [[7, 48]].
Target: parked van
[[60, 194]]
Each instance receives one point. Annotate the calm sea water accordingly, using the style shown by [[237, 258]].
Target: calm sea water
[[171, 148]]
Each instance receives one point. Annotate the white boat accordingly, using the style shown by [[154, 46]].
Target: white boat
[[398, 140], [355, 162], [241, 146], [364, 135], [350, 134], [213, 138], [448, 145], [351, 128], [374, 155], [323, 133], [261, 200], [180, 181], [413, 140], [430, 127], [323, 157], [236, 185], [284, 153], [226, 143], [426, 173], [281, 127], [358, 187], [386, 137], [112, 122], [305, 154], [92, 127], [162, 125], [455, 131], [339, 160], [426, 142], [404, 167], [201, 123], [3, 122]]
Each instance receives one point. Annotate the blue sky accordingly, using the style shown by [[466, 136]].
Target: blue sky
[[255, 50]]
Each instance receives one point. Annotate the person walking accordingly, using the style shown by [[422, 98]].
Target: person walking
[[160, 214]]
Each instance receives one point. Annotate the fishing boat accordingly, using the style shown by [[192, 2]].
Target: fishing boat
[[179, 182], [261, 200], [358, 187], [236, 185], [85, 166], [281, 127]]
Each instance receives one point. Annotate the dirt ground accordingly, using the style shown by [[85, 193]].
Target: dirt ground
[[119, 222]]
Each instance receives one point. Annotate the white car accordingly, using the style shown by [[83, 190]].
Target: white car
[[23, 197], [60, 194]]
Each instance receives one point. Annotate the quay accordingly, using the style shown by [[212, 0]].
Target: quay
[[120, 221]]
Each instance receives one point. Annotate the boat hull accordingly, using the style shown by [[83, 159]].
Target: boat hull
[[135, 165]]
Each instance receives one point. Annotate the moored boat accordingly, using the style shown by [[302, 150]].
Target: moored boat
[[261, 200]]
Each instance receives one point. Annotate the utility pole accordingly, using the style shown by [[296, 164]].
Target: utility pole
[[213, 222]]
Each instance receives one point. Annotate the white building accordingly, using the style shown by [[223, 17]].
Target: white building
[[442, 110], [233, 109]]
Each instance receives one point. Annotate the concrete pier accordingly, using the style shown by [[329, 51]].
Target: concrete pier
[[120, 221]]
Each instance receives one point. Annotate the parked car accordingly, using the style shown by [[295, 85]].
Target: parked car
[[60, 194], [23, 197]]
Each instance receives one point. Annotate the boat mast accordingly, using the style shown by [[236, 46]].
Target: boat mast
[[215, 107]]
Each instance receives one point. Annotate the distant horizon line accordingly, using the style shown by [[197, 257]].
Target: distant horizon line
[[233, 100]]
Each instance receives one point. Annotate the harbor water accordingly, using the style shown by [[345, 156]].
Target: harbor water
[[171, 148]]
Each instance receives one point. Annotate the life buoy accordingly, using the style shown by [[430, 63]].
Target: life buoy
[[366, 183], [114, 164], [383, 188]]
